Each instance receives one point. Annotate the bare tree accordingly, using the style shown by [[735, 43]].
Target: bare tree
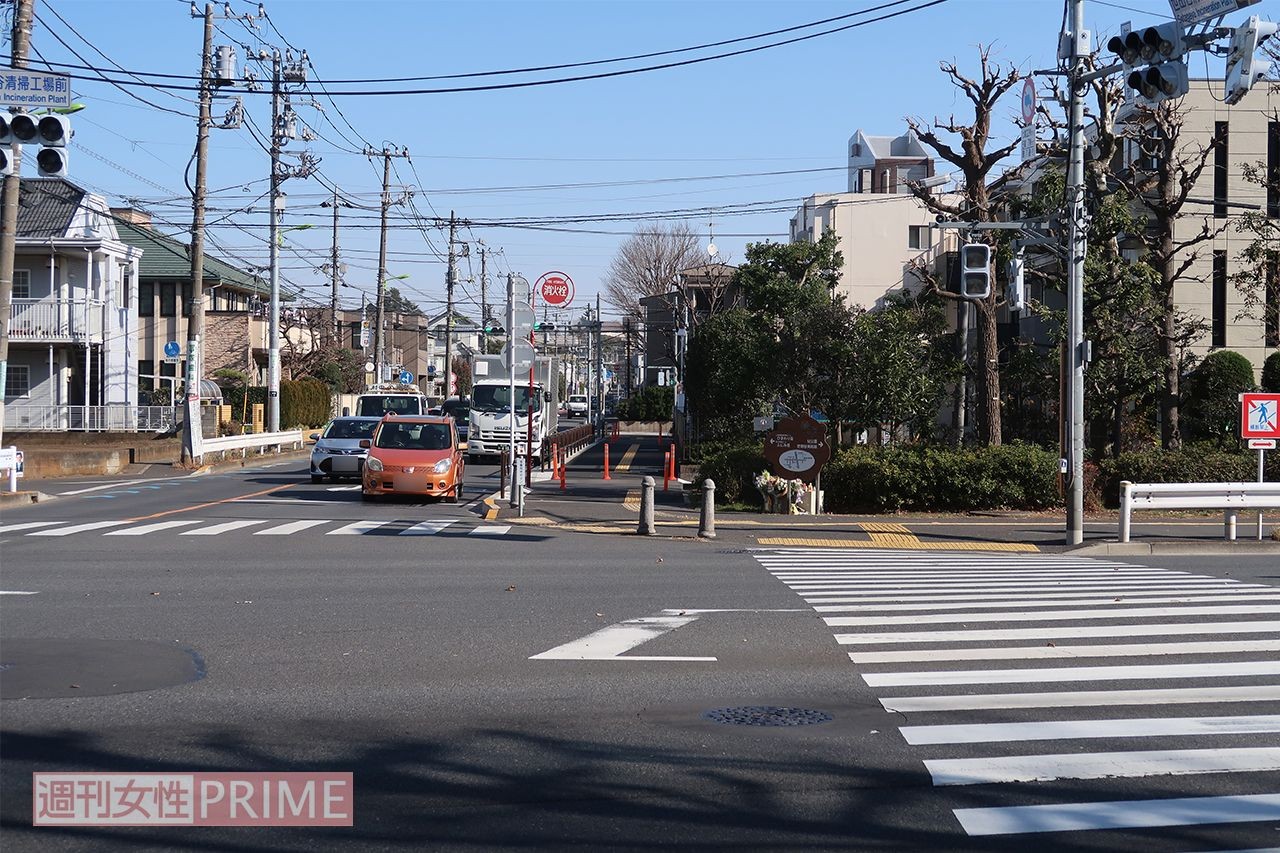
[[975, 162], [647, 265], [1162, 179]]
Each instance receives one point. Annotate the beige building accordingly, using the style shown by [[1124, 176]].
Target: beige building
[[1252, 135]]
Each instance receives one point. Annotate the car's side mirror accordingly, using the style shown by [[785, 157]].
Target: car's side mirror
[[365, 444], [315, 436]]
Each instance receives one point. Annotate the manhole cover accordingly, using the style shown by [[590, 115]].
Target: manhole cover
[[767, 715]]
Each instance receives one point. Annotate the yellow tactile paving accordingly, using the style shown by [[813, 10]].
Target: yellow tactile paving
[[632, 501], [884, 527], [904, 543], [624, 464]]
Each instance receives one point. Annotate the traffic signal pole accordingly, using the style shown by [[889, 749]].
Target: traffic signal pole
[[21, 44], [1076, 249]]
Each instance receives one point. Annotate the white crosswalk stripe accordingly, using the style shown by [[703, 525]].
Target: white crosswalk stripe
[[910, 617], [208, 527]]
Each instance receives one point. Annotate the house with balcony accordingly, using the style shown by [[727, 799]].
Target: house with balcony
[[236, 321], [72, 324]]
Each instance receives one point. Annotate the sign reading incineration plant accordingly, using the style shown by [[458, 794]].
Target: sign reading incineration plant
[[556, 289], [31, 89], [1190, 12], [797, 448]]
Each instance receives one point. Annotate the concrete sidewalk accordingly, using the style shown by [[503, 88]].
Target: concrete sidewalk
[[589, 504]]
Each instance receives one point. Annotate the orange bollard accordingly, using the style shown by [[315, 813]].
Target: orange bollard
[[555, 458], [666, 471], [564, 474], [606, 462], [671, 463]]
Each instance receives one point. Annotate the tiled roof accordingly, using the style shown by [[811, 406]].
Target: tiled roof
[[166, 258], [46, 206]]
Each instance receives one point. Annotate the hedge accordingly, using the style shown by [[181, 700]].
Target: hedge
[[1014, 476], [653, 403], [1192, 464], [304, 403], [865, 479]]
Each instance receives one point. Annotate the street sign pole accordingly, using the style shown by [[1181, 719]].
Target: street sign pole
[[511, 387]]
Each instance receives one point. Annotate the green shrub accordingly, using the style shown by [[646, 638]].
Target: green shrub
[[1193, 464], [235, 398], [1015, 476], [1271, 373], [1213, 390], [653, 403], [304, 403], [734, 468]]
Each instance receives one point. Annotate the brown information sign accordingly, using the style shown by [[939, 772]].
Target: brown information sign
[[797, 448]]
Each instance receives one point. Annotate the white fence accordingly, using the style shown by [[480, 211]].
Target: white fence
[[109, 418], [244, 443], [74, 320], [1228, 497]]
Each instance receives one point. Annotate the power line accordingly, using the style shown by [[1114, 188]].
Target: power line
[[580, 77]]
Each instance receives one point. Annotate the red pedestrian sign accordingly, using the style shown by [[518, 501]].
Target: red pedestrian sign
[[556, 289], [1260, 415]]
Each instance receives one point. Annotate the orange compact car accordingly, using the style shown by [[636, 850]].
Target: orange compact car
[[414, 455]]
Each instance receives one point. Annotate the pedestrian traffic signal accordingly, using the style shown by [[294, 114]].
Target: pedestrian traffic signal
[[975, 271], [55, 133], [1243, 67]]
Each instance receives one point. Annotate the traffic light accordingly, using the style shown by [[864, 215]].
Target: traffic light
[[1243, 67], [493, 327], [55, 133], [1154, 56], [6, 162], [1157, 83], [51, 131], [975, 270], [544, 327]]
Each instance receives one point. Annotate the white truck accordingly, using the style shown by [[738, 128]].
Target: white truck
[[490, 429], [394, 398]]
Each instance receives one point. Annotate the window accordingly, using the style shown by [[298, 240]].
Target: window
[[1219, 321], [855, 150], [17, 381], [146, 299], [1273, 163], [123, 273], [1271, 301], [22, 284], [168, 300], [186, 300], [918, 237], [146, 368], [1220, 170]]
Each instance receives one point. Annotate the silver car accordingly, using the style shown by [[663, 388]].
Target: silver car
[[337, 452]]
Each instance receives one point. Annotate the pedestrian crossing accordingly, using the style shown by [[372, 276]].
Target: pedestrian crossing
[[262, 527], [1030, 679]]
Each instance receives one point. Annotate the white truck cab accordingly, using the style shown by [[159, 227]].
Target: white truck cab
[[396, 399]]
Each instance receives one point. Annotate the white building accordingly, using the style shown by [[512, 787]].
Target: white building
[[72, 325]]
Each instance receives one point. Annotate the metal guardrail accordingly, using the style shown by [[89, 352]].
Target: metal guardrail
[[1229, 497], [244, 443], [105, 418]]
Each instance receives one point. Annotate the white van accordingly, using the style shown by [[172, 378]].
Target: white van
[[396, 400]]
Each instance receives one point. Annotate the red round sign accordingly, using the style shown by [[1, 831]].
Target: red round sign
[[556, 289]]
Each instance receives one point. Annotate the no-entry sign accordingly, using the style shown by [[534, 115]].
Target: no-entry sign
[[556, 289]]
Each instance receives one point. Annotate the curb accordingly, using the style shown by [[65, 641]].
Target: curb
[[1184, 547], [21, 498]]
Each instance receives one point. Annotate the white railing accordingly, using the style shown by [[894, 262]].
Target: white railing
[[108, 418], [1228, 497], [259, 440], [52, 320]]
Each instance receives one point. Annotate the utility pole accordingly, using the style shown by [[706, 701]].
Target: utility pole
[[21, 44], [335, 272], [484, 287], [451, 275], [378, 343], [1077, 248], [191, 434], [273, 341], [599, 362]]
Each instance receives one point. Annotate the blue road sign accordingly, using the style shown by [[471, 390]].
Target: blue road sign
[[172, 349], [431, 370], [406, 377]]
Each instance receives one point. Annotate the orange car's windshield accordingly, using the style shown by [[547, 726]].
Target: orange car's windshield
[[411, 436]]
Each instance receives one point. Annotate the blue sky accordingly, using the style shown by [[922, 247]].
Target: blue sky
[[788, 108]]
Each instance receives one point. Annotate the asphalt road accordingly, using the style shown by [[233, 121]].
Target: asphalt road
[[252, 621]]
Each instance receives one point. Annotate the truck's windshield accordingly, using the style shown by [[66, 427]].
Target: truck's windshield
[[497, 398], [377, 405]]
